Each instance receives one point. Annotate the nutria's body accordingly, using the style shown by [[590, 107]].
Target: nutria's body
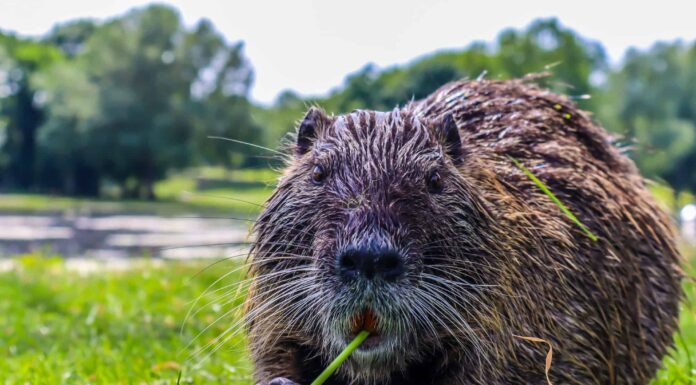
[[418, 220]]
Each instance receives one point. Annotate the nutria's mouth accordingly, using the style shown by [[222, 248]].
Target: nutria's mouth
[[366, 320]]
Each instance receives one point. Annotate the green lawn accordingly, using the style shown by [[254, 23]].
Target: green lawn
[[119, 327], [123, 327]]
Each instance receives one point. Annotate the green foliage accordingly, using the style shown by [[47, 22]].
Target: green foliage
[[545, 44], [138, 96], [20, 116], [71, 37], [158, 87], [651, 100]]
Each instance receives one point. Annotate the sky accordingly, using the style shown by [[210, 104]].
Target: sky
[[310, 46]]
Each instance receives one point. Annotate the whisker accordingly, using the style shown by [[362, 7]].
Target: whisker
[[224, 197], [246, 143]]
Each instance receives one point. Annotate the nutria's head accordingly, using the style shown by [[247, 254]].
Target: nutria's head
[[374, 226]]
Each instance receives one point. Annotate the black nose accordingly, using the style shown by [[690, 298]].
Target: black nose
[[370, 263]]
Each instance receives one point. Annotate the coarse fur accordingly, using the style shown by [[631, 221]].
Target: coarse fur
[[488, 259]]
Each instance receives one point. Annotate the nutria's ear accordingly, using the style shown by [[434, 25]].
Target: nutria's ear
[[307, 132], [448, 131]]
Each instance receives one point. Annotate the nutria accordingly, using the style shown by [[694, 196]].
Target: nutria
[[416, 225]]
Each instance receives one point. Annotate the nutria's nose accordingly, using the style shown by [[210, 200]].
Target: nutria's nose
[[384, 263]]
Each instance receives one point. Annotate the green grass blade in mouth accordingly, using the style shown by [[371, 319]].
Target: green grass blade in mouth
[[553, 197], [359, 339]]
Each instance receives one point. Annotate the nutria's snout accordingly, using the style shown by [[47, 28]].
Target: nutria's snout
[[369, 272], [369, 263]]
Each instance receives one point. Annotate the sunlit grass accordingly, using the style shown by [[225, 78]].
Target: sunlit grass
[[60, 327], [680, 366]]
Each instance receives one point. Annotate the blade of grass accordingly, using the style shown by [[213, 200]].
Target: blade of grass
[[359, 339], [553, 197]]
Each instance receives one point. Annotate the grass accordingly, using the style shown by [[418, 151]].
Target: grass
[[680, 366], [349, 349], [555, 199], [116, 327], [123, 327]]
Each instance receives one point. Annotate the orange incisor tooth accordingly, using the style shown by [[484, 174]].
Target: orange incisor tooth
[[365, 320], [369, 320]]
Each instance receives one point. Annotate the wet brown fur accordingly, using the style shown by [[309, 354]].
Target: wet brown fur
[[608, 307]]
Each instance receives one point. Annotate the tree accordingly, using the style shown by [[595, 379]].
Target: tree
[[220, 105], [68, 160], [572, 60], [70, 37], [20, 106], [141, 92], [655, 106]]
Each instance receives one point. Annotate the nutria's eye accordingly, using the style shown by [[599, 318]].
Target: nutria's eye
[[318, 174], [434, 183]]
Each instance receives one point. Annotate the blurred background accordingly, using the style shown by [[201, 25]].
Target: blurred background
[[120, 205]]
